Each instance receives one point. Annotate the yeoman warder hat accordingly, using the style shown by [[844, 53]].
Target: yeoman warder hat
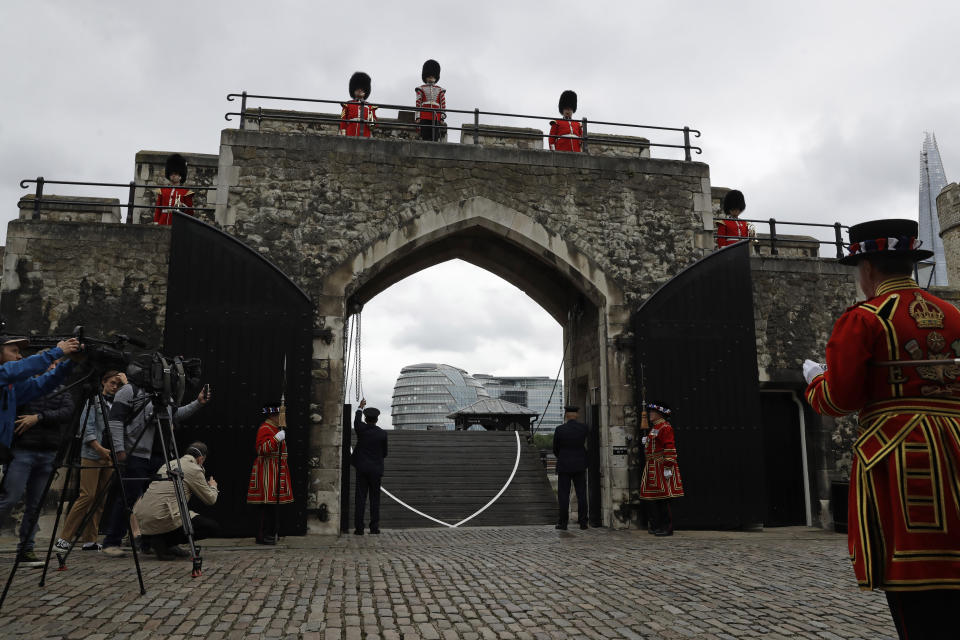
[[892, 237]]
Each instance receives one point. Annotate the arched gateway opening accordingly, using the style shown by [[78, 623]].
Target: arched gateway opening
[[513, 246]]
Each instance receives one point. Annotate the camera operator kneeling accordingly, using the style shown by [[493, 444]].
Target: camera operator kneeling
[[159, 514]]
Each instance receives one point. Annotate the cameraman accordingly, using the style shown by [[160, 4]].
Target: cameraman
[[133, 437], [29, 465]]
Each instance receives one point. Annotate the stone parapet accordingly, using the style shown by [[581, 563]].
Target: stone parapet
[[403, 127], [494, 135], [70, 208]]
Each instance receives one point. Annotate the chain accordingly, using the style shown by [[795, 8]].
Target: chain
[[359, 351], [347, 353]]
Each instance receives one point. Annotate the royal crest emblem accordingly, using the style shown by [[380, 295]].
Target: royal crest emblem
[[926, 314]]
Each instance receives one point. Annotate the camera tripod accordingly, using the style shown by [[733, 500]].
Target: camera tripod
[[162, 413]]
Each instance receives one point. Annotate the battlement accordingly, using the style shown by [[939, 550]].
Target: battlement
[[399, 128]]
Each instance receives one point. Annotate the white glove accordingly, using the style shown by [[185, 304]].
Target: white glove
[[812, 369], [668, 473], [654, 432], [643, 440], [280, 435]]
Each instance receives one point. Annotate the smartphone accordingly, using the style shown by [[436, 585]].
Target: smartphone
[[206, 392]]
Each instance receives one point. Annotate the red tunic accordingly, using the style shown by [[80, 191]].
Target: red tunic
[[904, 514], [736, 228], [661, 453], [263, 476], [565, 135], [351, 121], [171, 198], [431, 96]]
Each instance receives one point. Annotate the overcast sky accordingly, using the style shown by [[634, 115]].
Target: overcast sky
[[816, 110]]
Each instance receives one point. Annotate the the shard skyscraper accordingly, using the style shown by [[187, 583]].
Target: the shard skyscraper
[[932, 180]]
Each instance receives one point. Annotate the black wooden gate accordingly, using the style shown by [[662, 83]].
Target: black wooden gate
[[696, 340], [229, 306]]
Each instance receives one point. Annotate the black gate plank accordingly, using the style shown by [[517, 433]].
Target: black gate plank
[[232, 308], [696, 340]]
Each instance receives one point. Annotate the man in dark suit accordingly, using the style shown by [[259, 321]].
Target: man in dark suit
[[368, 455], [568, 446]]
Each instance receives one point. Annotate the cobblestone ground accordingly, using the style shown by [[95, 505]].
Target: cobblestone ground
[[527, 582]]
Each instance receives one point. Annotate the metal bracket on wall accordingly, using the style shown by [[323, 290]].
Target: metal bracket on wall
[[321, 369], [325, 334]]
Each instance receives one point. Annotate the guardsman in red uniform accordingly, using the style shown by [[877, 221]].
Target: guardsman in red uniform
[[357, 116], [730, 231], [904, 514], [172, 198], [661, 474], [566, 134], [432, 96], [271, 451]]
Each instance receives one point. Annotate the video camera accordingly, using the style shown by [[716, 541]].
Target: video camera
[[172, 378]]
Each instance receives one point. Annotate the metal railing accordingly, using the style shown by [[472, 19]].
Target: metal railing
[[773, 239], [260, 115], [132, 186]]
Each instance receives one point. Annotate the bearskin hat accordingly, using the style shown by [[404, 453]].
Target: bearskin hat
[[360, 80], [733, 200], [431, 68], [176, 163], [568, 100]]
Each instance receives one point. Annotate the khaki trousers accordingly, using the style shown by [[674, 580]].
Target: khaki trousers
[[94, 476]]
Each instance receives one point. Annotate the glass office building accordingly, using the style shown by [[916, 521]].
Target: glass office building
[[425, 394], [530, 392]]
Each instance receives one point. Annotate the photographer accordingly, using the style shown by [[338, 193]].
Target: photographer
[[158, 511], [133, 436], [31, 461]]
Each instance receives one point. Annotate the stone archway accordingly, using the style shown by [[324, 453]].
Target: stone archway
[[550, 269]]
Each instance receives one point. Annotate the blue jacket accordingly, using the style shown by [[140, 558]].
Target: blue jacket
[[20, 387]]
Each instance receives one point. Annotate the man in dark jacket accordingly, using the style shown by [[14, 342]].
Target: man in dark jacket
[[368, 455], [39, 430], [568, 446]]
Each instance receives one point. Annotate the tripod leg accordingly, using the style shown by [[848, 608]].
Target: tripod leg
[[72, 458], [127, 507], [28, 525], [177, 476]]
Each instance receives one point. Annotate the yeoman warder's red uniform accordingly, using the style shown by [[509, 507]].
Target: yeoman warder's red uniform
[[661, 453], [904, 508], [263, 476]]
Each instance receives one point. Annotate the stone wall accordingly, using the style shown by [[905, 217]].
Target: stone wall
[[796, 301], [107, 277], [948, 210], [150, 169], [637, 218]]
